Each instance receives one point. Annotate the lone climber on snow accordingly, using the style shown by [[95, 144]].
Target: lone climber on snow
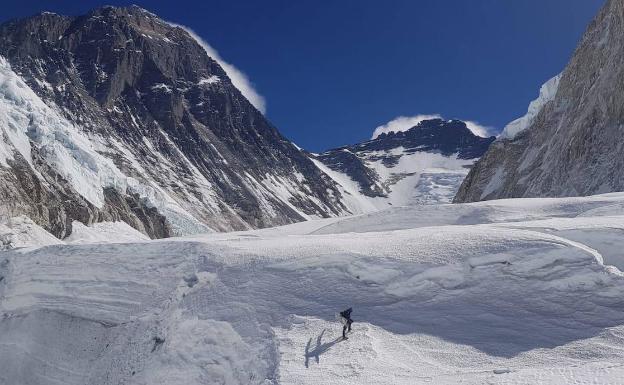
[[345, 318]]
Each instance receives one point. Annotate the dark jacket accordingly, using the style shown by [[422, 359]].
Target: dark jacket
[[347, 314]]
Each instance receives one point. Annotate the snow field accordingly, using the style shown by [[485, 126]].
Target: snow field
[[503, 292]]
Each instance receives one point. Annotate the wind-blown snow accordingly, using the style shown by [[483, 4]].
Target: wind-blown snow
[[404, 123], [546, 94], [238, 78], [479, 129], [504, 292], [162, 87]]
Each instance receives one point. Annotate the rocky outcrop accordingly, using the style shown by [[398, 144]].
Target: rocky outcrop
[[574, 145]]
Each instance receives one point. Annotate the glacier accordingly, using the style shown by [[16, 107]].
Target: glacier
[[26, 121], [507, 292]]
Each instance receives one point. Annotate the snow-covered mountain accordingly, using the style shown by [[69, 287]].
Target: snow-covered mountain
[[118, 115], [571, 142], [422, 164]]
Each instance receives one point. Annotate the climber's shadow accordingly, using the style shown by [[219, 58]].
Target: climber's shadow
[[319, 349]]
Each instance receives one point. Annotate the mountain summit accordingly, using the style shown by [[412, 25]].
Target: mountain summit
[[118, 115], [423, 164]]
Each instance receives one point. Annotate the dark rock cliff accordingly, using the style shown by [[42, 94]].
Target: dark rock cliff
[[168, 115], [574, 146]]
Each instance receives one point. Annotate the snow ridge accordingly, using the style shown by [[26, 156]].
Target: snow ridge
[[548, 91]]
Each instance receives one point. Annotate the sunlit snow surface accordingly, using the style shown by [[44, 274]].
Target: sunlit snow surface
[[503, 292]]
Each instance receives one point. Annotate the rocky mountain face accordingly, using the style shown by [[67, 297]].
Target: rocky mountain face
[[118, 115], [424, 164], [574, 144]]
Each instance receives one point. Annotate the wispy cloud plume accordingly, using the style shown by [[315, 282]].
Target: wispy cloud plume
[[239, 79], [479, 129], [404, 123]]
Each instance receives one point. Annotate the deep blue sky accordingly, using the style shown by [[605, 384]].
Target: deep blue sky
[[331, 71]]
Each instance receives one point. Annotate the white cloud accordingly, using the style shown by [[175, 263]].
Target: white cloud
[[404, 123], [239, 79], [478, 129]]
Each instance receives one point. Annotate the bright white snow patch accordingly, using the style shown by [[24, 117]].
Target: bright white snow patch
[[161, 87], [198, 351], [208, 81], [21, 231], [547, 93], [238, 78], [14, 114], [104, 232]]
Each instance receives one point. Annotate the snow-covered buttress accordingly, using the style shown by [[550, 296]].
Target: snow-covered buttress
[[571, 143]]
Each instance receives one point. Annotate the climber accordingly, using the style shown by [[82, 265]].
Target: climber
[[345, 318]]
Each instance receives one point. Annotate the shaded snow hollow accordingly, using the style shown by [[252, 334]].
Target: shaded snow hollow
[[510, 292]]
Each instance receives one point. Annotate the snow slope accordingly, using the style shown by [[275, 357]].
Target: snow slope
[[419, 160], [21, 231], [104, 232], [420, 177], [503, 292], [417, 178]]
